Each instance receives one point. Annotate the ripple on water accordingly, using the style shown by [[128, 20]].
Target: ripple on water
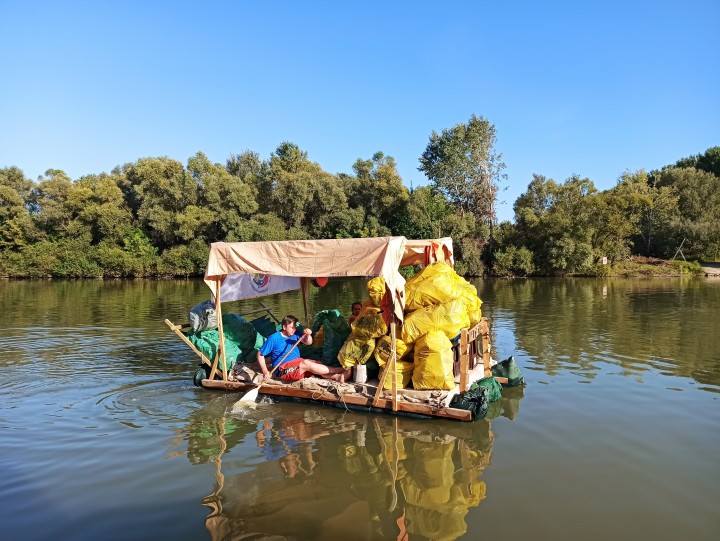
[[151, 401]]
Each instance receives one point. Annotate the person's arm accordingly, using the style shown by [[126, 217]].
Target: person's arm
[[263, 366], [307, 337]]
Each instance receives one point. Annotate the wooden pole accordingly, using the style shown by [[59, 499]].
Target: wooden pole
[[304, 288], [393, 361], [485, 333], [381, 383], [176, 330], [464, 360], [213, 370], [221, 333]]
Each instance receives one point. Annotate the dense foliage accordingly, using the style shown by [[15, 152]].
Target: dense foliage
[[157, 216]]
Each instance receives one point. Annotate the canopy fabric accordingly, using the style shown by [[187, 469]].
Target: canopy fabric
[[380, 256], [417, 251]]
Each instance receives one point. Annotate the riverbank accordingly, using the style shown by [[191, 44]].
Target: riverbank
[[710, 268], [638, 267]]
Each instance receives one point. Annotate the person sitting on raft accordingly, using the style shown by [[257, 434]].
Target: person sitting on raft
[[356, 309], [294, 367]]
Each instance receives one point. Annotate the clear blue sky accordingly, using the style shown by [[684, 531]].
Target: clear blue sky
[[576, 87]]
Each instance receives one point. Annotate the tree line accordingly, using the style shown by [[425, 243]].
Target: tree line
[[157, 216]]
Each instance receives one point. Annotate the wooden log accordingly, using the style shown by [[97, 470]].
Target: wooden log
[[239, 386], [176, 330], [359, 400]]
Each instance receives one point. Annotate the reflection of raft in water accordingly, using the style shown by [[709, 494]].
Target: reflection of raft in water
[[351, 476], [247, 270]]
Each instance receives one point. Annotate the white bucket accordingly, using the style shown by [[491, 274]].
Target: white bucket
[[360, 373]]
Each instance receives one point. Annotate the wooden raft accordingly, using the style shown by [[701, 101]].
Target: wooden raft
[[472, 362]]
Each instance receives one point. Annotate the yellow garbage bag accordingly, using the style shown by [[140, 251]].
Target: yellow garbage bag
[[382, 349], [450, 318], [433, 362], [467, 293], [435, 284], [369, 324], [404, 371], [376, 290], [356, 350]]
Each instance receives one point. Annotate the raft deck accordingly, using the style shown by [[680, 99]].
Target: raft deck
[[471, 364]]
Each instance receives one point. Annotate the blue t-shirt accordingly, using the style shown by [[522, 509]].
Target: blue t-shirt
[[277, 345]]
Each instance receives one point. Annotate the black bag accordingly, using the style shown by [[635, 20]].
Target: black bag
[[475, 400]]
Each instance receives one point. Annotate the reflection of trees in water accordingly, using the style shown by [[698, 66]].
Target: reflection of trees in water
[[335, 475], [664, 324]]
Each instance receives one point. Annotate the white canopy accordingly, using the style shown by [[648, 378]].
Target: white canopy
[[253, 269]]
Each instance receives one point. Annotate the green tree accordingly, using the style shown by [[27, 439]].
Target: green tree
[[17, 198], [462, 163], [56, 212], [164, 191], [699, 207], [708, 161], [98, 203], [378, 189], [652, 208], [225, 201], [556, 222]]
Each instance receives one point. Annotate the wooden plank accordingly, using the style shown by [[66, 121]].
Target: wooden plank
[[381, 383], [176, 330], [358, 400], [501, 380], [464, 360], [239, 386]]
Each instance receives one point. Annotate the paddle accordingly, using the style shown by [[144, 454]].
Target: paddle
[[251, 395]]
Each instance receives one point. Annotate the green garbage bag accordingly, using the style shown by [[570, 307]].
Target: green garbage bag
[[510, 370], [494, 389], [336, 331], [474, 400]]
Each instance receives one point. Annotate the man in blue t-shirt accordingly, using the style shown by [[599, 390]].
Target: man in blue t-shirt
[[279, 346]]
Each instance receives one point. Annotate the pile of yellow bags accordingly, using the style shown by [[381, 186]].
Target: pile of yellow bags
[[439, 304]]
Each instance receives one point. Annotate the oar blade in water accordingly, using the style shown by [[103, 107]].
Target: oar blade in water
[[250, 396]]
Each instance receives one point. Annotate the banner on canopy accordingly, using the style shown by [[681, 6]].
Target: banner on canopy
[[249, 286]]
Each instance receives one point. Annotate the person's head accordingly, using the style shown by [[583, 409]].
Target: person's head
[[289, 324], [356, 307]]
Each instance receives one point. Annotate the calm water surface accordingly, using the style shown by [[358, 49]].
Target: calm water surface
[[616, 436]]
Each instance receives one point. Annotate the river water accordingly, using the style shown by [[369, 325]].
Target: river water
[[615, 436]]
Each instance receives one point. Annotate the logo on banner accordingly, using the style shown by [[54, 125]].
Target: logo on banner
[[259, 282]]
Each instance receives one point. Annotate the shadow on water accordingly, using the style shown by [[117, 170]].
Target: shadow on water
[[302, 471]]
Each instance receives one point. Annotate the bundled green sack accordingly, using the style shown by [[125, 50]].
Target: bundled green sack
[[510, 370], [336, 331], [494, 389], [474, 400], [264, 325]]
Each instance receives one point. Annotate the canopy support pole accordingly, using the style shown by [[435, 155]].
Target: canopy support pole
[[393, 354], [304, 288], [221, 338]]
